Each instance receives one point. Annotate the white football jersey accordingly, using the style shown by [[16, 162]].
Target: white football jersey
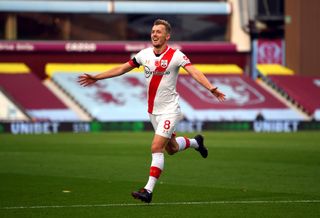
[[161, 73]]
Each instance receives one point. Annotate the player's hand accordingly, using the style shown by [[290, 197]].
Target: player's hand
[[86, 79], [219, 95]]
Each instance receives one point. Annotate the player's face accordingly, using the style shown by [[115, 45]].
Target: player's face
[[159, 36]]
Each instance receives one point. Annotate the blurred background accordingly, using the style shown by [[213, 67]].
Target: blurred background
[[261, 53]]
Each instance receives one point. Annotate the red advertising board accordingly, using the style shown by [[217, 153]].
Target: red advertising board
[[270, 51]]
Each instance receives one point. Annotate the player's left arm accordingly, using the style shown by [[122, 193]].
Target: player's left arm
[[202, 79]]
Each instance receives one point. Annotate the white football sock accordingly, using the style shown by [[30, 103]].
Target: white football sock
[[155, 170], [184, 143]]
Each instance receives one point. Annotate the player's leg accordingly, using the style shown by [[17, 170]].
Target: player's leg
[[157, 163], [159, 142], [172, 147], [177, 144], [164, 127]]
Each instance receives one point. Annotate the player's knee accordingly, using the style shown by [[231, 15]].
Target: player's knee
[[155, 148], [171, 150]]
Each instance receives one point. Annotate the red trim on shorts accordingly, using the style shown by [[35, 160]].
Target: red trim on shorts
[[156, 79], [187, 143], [188, 64], [155, 171], [174, 134]]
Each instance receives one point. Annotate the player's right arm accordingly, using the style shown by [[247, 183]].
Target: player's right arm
[[88, 79]]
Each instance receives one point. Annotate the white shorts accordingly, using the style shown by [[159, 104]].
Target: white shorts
[[165, 124]]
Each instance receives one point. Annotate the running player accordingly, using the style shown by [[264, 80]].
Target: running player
[[161, 66]]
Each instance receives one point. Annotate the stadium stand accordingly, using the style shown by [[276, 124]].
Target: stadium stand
[[100, 100], [109, 100], [26, 89], [303, 90], [246, 100]]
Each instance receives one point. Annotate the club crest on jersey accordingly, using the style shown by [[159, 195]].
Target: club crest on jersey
[[164, 63]]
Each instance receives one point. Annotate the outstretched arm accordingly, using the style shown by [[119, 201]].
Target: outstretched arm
[[202, 79], [88, 79]]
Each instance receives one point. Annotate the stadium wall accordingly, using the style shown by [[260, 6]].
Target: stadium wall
[[302, 37], [184, 126]]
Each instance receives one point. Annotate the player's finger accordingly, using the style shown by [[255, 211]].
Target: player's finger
[[83, 76], [83, 81], [221, 97]]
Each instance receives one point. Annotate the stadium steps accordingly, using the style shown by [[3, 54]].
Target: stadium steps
[[284, 98], [10, 109], [60, 93], [266, 70]]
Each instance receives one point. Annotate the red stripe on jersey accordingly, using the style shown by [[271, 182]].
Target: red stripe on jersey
[[155, 172], [156, 79]]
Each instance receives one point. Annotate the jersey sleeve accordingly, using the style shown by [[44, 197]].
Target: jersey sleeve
[[183, 59], [136, 61], [133, 62]]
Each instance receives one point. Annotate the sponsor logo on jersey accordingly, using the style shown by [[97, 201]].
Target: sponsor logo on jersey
[[148, 72]]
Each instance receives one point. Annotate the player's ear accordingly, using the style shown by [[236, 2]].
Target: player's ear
[[168, 36]]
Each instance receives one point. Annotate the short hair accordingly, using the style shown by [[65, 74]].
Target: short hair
[[163, 22]]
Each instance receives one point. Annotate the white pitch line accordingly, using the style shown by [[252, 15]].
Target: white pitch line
[[161, 204]]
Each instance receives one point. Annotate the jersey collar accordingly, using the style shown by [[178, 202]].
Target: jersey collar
[[164, 51]]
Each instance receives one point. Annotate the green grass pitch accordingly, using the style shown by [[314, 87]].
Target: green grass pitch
[[92, 175]]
